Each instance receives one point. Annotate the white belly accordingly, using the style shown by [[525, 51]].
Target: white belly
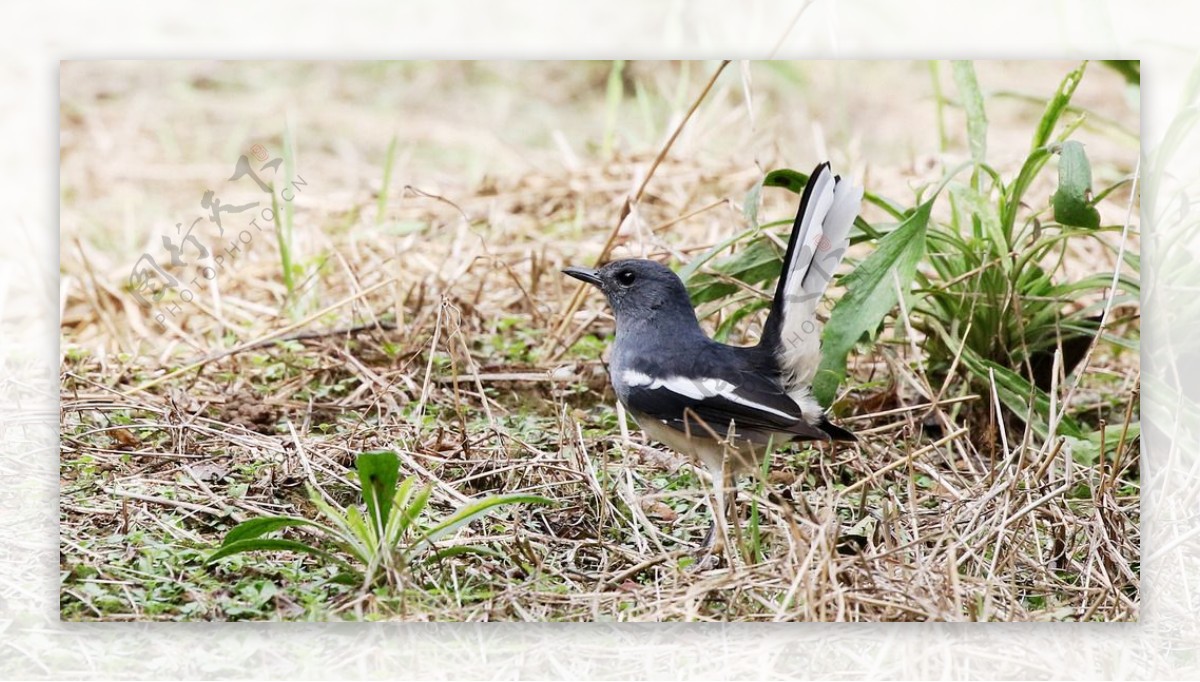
[[711, 453]]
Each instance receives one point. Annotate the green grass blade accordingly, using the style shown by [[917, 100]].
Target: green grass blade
[[475, 510], [389, 161], [614, 93], [253, 528], [935, 77], [271, 545], [356, 542], [409, 513], [1029, 170], [1055, 108], [972, 101], [363, 533], [284, 215], [686, 272], [1018, 395], [395, 523], [283, 237]]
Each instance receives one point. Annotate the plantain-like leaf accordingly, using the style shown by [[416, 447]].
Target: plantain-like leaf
[[870, 296], [377, 474], [1072, 203]]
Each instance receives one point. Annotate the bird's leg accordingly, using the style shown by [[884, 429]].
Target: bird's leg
[[716, 539], [729, 508]]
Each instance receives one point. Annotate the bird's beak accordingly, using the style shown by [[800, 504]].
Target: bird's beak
[[584, 274]]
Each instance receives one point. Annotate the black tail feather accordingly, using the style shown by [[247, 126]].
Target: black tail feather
[[836, 432], [770, 340]]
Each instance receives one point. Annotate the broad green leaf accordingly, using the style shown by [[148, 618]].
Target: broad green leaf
[[253, 528], [794, 181], [758, 262], [870, 295], [972, 101], [791, 180], [1072, 203], [377, 474], [473, 511], [270, 545]]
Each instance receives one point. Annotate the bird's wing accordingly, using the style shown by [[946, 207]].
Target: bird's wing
[[699, 404]]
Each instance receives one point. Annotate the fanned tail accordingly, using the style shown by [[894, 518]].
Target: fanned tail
[[820, 237]]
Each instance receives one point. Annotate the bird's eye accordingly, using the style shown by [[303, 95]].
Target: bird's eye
[[626, 277]]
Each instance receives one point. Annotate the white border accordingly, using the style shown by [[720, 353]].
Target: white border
[[34, 37]]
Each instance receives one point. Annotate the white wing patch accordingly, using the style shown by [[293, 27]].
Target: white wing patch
[[698, 389]]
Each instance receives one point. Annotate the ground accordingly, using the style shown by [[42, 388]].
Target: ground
[[421, 310]]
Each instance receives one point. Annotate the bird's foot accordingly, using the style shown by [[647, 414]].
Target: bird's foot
[[710, 553], [706, 560]]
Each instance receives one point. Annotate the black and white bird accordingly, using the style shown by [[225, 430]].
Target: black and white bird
[[724, 404]]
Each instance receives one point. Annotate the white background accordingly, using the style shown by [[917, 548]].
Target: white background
[[34, 37]]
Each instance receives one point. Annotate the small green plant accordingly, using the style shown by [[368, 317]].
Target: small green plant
[[285, 218], [382, 202], [390, 536], [996, 298]]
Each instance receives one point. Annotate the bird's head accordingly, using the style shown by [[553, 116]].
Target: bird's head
[[639, 290]]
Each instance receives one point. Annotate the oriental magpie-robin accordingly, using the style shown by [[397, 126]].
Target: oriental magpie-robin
[[723, 404]]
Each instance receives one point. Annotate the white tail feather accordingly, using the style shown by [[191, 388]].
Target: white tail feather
[[823, 240]]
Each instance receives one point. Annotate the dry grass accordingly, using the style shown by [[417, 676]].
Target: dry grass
[[436, 329]]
